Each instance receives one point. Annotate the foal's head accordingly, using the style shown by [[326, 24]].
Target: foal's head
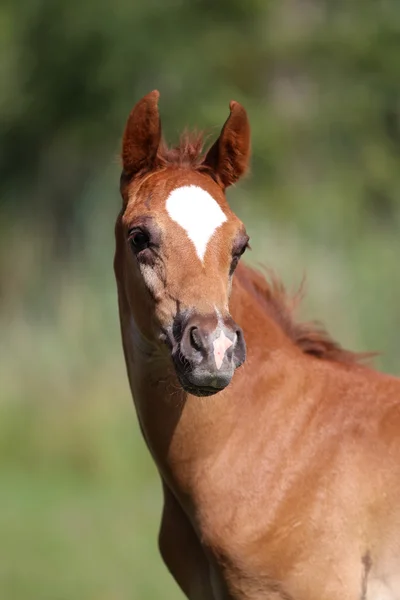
[[178, 244]]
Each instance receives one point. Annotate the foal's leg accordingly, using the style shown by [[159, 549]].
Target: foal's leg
[[182, 552]]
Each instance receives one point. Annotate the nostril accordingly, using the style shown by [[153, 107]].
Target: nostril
[[195, 338], [238, 336], [239, 352]]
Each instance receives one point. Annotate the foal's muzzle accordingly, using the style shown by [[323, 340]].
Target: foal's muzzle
[[207, 351]]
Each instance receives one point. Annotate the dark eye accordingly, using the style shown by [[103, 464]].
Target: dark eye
[[237, 254], [139, 240]]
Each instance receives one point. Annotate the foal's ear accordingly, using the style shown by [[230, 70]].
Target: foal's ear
[[142, 135], [230, 154]]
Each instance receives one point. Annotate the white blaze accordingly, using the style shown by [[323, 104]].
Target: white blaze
[[196, 211], [221, 345]]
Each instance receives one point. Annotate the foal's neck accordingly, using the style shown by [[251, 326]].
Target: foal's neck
[[181, 430]]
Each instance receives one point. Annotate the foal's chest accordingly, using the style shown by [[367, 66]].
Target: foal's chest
[[255, 558]]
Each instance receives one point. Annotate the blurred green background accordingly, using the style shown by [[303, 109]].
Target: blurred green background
[[79, 497]]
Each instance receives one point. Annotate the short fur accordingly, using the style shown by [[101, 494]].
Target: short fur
[[286, 484], [310, 337]]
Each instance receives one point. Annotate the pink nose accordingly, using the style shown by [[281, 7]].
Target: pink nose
[[221, 345]]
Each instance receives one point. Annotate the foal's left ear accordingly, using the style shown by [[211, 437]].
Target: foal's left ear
[[229, 156], [142, 135]]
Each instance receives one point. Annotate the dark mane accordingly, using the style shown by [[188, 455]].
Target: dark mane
[[188, 153], [310, 337]]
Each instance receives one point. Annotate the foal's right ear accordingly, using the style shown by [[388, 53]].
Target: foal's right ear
[[142, 135]]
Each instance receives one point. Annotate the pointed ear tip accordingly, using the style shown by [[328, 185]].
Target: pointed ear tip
[[150, 101], [235, 106], [153, 96]]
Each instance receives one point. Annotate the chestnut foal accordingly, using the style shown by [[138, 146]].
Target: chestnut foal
[[286, 483]]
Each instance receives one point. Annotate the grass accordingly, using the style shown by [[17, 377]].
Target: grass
[[65, 537]]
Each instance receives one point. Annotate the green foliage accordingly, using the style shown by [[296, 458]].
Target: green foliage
[[80, 497], [319, 80]]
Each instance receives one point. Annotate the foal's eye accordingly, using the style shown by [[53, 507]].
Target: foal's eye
[[139, 240], [237, 254]]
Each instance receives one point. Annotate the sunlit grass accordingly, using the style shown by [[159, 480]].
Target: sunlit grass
[[68, 537]]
